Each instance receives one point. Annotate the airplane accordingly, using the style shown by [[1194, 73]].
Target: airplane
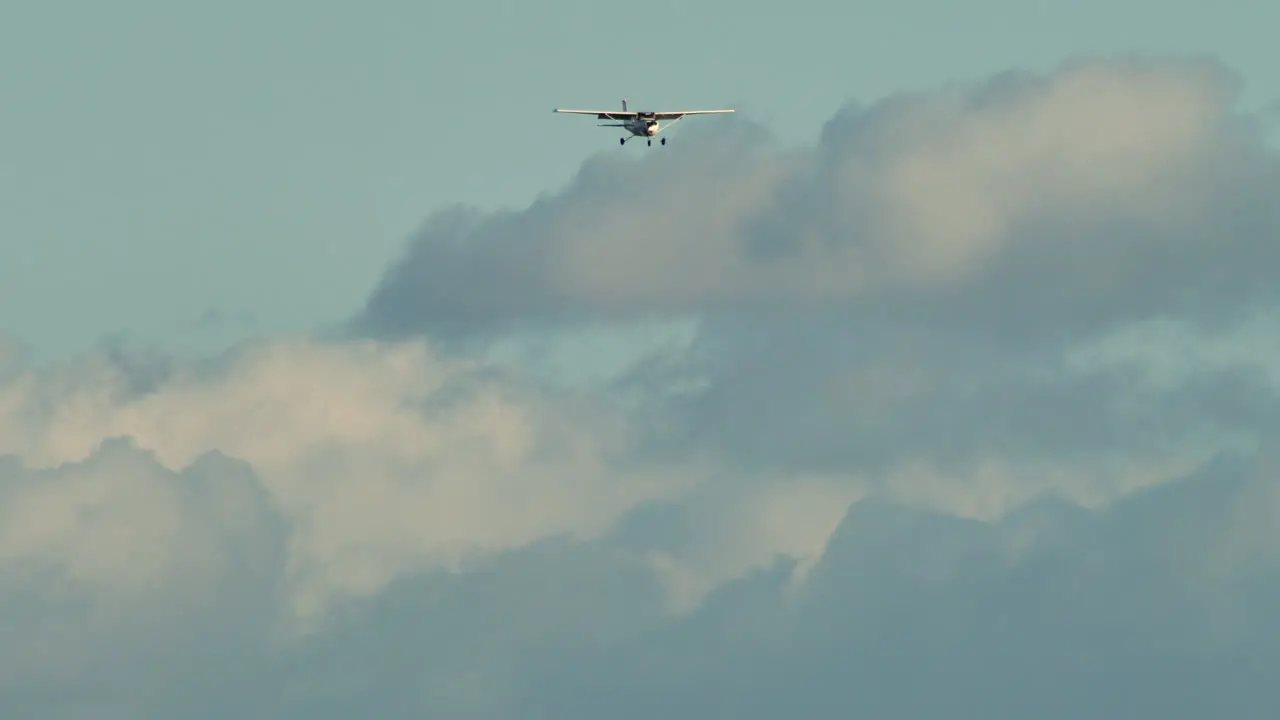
[[645, 124]]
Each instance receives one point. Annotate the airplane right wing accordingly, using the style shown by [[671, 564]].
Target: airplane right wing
[[677, 114]]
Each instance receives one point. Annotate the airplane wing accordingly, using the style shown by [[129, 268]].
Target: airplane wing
[[601, 114], [677, 114]]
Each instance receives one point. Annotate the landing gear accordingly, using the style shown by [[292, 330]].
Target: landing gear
[[648, 141]]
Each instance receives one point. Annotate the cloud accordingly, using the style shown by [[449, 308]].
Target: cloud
[[125, 580], [384, 458], [1024, 204], [936, 258], [970, 409], [1054, 611]]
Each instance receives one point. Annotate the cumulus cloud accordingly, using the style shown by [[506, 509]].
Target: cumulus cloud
[[383, 457], [1104, 192], [976, 418], [938, 257], [124, 580]]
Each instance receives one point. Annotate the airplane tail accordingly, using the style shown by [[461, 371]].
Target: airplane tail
[[624, 104]]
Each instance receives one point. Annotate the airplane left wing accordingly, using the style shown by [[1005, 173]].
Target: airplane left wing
[[601, 114]]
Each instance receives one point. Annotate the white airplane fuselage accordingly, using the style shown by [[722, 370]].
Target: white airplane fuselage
[[643, 128]]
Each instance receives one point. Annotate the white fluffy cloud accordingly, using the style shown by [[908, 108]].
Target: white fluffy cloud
[[1025, 203], [383, 458], [958, 301]]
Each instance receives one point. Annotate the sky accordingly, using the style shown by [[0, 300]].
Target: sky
[[339, 376], [185, 177]]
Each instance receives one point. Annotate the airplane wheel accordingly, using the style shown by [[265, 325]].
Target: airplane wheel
[[664, 141], [650, 143], [622, 141]]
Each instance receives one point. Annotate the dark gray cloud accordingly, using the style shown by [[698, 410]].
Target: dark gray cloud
[[912, 614], [1158, 606], [820, 394], [1146, 609]]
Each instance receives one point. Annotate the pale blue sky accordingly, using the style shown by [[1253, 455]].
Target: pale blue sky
[[268, 159]]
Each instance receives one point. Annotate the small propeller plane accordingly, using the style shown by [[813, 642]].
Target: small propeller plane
[[645, 124]]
